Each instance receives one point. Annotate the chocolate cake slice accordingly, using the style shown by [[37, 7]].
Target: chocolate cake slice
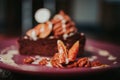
[[42, 39], [47, 46]]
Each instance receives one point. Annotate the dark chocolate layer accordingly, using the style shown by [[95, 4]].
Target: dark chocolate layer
[[47, 46]]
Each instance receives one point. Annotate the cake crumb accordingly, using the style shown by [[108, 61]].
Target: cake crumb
[[115, 62], [103, 53], [92, 58], [111, 57]]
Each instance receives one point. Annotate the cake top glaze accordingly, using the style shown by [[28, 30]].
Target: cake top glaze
[[60, 25]]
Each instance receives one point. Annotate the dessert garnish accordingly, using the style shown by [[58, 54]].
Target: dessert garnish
[[40, 31], [65, 58], [60, 25], [63, 24], [42, 15]]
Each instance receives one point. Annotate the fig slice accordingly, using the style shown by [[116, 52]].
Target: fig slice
[[73, 51], [32, 33], [44, 29], [62, 50]]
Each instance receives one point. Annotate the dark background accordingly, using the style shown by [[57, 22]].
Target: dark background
[[99, 19]]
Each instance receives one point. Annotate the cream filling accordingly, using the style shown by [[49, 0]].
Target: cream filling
[[59, 17], [49, 64], [33, 35], [65, 36], [92, 58], [103, 53], [63, 21], [7, 58], [111, 57], [42, 29], [50, 25], [64, 25]]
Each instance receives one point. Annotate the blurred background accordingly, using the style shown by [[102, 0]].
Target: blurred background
[[98, 19]]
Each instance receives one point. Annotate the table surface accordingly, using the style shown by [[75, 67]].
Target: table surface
[[8, 75]]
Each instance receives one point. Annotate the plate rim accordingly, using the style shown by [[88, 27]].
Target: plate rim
[[63, 72]]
